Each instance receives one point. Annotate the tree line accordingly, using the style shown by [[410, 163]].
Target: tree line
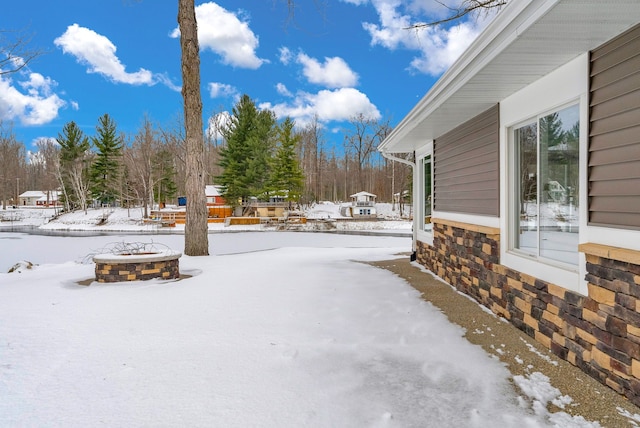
[[252, 154]]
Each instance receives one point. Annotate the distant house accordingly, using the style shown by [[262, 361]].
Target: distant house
[[37, 198], [526, 182], [216, 204], [214, 198], [217, 208], [363, 205]]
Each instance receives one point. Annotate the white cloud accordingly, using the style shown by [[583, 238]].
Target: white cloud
[[224, 33], [438, 46], [433, 9], [356, 2], [282, 90], [99, 54], [12, 62], [336, 105], [166, 80], [37, 157], [216, 123], [217, 90], [37, 105], [334, 73], [285, 55], [445, 48]]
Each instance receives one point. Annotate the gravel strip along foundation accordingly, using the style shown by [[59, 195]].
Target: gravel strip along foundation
[[520, 353]]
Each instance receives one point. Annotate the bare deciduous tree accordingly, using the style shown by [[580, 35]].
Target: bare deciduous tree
[[464, 7], [12, 163], [139, 163], [15, 52], [311, 147], [49, 160], [196, 239], [361, 142], [172, 139]]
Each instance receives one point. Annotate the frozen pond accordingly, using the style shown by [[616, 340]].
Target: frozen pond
[[39, 249]]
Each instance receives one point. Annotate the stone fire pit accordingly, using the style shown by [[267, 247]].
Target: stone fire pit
[[137, 266]]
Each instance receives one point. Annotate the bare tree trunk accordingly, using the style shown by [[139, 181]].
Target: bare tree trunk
[[79, 182], [196, 238]]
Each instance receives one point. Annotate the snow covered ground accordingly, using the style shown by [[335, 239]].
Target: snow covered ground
[[120, 219], [274, 329]]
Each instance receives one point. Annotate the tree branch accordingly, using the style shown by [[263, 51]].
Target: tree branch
[[15, 53], [465, 8]]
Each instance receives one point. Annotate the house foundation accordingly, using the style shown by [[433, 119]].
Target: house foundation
[[600, 332]]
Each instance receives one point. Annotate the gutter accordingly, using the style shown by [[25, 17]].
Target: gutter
[[397, 159]]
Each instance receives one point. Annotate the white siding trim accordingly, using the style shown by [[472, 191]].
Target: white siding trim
[[418, 192], [478, 220], [621, 238]]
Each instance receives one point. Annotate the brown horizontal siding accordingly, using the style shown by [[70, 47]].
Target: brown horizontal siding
[[608, 187], [616, 73], [626, 119], [614, 45], [476, 181], [614, 132], [622, 171], [627, 204], [622, 220], [619, 138], [466, 167], [476, 157], [624, 103], [613, 155], [615, 90]]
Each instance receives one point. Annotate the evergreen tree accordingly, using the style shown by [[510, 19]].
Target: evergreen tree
[[551, 133], [107, 167], [287, 178], [245, 159], [262, 147], [75, 161]]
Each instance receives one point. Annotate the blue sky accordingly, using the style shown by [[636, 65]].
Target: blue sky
[[333, 59]]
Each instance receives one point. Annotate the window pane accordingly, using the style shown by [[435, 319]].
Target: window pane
[[559, 136], [427, 193], [526, 142]]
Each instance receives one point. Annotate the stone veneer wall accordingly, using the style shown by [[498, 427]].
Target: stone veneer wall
[[120, 272], [600, 333]]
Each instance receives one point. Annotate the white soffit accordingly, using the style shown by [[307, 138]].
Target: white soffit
[[527, 40]]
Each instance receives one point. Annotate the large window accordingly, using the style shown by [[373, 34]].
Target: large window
[[427, 200], [546, 182]]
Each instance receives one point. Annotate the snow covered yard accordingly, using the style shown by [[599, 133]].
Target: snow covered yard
[[275, 329]]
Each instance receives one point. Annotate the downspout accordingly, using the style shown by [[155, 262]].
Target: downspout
[[414, 229]]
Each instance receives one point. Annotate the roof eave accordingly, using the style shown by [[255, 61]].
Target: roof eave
[[498, 35]]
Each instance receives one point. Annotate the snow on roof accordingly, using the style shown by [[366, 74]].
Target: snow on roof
[[212, 190], [53, 196], [33, 194], [355, 195]]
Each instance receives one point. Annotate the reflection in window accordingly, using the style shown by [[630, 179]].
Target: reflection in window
[[427, 200], [546, 165]]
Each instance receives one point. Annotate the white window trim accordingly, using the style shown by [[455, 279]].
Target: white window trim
[[418, 193], [562, 87]]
